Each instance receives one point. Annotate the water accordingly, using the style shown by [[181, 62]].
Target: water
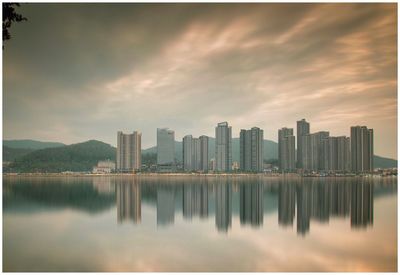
[[191, 223]]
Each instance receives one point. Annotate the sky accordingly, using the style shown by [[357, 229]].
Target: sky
[[75, 72]]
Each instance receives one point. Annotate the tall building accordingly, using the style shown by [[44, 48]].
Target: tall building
[[129, 151], [251, 150], [286, 149], [362, 149], [204, 153], [313, 153], [165, 149], [336, 153], [303, 128], [195, 153], [223, 147]]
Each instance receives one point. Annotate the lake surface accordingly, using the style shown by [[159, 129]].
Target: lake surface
[[191, 223]]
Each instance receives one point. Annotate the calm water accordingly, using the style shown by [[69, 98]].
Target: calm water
[[199, 224]]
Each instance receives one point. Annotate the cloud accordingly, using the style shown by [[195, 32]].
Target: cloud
[[99, 68]]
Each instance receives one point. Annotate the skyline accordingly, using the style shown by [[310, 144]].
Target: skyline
[[66, 79]]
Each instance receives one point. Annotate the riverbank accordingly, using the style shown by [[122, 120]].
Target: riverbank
[[229, 175]]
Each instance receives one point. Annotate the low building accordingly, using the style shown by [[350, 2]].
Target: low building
[[104, 167]]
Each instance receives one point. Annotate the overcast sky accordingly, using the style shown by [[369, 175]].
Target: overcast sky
[[75, 72]]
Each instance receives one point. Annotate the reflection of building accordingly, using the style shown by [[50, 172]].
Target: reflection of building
[[362, 204], [286, 149], [223, 147], [129, 151], [103, 185], [104, 167], [223, 206], [251, 150], [128, 202], [319, 200], [362, 149], [303, 208], [165, 206], [251, 204], [303, 128], [286, 203], [165, 149], [195, 200]]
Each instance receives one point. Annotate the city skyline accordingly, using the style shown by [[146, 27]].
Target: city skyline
[[264, 65]]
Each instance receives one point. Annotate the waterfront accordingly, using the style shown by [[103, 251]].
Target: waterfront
[[199, 224]]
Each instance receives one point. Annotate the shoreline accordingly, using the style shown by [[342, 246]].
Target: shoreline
[[259, 175]]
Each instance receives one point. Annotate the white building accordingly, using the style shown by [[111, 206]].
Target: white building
[[104, 167]]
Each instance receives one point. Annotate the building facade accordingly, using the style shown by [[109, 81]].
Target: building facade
[[251, 150], [286, 149], [336, 153], [195, 153], [129, 151], [165, 149], [313, 151], [362, 149], [223, 147], [303, 128]]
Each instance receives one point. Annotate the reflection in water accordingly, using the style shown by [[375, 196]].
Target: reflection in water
[[128, 202], [304, 199], [66, 213], [252, 204], [223, 206], [165, 206], [362, 205], [195, 200], [286, 201]]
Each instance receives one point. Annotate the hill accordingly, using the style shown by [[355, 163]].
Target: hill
[[30, 144], [12, 154], [74, 157], [381, 162]]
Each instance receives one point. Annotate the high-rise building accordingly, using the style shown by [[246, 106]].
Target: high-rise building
[[204, 153], [313, 153], [362, 149], [165, 149], [251, 150], [129, 151], [195, 153], [286, 149], [303, 128], [336, 153], [344, 156], [223, 147]]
